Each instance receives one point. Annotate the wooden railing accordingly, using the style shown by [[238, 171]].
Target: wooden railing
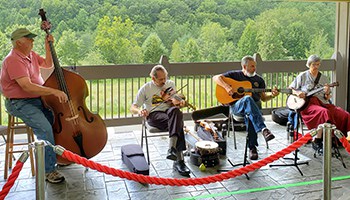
[[114, 87]]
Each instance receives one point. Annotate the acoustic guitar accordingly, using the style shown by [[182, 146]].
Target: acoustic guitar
[[240, 89], [296, 103]]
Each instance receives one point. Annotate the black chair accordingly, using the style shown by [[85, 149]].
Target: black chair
[[235, 122]]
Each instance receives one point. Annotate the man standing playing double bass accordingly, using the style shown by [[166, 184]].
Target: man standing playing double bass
[[22, 86]]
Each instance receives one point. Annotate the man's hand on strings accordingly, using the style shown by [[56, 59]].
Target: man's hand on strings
[[275, 91]]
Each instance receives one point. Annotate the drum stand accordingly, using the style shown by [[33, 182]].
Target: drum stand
[[295, 159]]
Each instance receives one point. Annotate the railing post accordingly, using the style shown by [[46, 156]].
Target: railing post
[[327, 156], [40, 170]]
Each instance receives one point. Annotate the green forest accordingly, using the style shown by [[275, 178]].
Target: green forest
[[100, 32]]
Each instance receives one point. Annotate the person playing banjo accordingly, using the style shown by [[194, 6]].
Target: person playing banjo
[[318, 109]]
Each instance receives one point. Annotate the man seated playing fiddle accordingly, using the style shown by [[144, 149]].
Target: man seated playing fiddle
[[149, 103]]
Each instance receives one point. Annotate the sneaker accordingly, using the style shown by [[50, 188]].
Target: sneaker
[[253, 154], [54, 177], [267, 135]]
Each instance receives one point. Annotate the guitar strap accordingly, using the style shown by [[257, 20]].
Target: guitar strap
[[317, 80]]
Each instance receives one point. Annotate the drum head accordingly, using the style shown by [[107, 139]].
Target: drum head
[[208, 145]]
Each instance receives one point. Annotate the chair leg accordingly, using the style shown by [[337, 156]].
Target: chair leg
[[228, 126], [337, 153], [30, 136], [245, 162], [233, 131], [267, 145], [9, 142], [144, 135], [7, 157], [147, 150]]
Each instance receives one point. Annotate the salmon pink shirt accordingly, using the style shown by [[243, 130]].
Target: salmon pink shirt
[[16, 65]]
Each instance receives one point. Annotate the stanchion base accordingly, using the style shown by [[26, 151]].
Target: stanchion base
[[235, 165], [295, 164]]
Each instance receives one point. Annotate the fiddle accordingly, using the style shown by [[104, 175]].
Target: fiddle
[[210, 127], [171, 96]]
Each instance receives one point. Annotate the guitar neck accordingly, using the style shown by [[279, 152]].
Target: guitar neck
[[314, 92], [257, 90], [289, 91]]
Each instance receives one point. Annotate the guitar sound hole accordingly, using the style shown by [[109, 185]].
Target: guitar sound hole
[[237, 96], [240, 90]]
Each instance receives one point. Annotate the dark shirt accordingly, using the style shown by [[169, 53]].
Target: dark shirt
[[257, 81]]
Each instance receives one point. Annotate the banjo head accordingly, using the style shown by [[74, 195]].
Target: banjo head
[[208, 145]]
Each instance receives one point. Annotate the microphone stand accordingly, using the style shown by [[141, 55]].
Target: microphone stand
[[295, 159]]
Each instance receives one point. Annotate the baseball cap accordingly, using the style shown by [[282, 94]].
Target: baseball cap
[[22, 32]]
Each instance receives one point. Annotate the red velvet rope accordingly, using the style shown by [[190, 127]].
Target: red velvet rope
[[186, 181], [11, 180], [345, 143]]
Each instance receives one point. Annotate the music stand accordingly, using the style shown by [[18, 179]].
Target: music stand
[[245, 161], [295, 159]]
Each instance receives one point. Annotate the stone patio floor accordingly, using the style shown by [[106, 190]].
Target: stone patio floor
[[265, 183]]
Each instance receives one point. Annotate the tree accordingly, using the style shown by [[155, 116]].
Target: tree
[[227, 52], [94, 57], [319, 46], [176, 54], [235, 31], [270, 45], [68, 48], [5, 45], [153, 48], [212, 37], [191, 51], [117, 41], [247, 44]]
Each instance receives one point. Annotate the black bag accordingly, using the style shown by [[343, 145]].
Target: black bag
[[134, 158], [280, 116]]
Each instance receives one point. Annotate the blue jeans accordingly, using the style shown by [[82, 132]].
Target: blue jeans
[[246, 106], [35, 115], [293, 119]]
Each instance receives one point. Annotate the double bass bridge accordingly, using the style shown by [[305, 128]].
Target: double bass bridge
[[72, 118]]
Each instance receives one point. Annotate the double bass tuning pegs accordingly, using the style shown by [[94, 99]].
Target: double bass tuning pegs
[[45, 24]]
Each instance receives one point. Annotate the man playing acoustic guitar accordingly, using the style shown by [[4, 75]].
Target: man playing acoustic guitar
[[246, 105], [318, 109]]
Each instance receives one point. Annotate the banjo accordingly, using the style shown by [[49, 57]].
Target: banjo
[[296, 103]]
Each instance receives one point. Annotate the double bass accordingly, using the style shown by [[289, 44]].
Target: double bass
[[75, 128]]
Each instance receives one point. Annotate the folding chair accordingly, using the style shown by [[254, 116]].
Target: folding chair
[[148, 131], [235, 122]]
